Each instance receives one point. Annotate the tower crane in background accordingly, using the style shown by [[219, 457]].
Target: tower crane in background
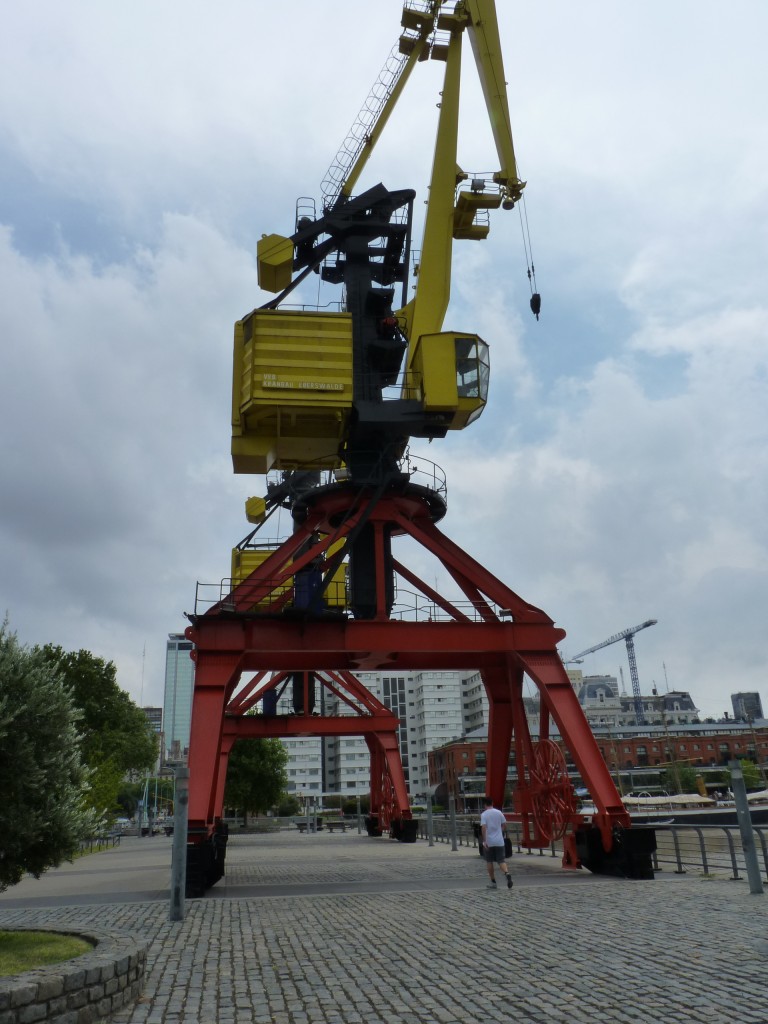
[[627, 635]]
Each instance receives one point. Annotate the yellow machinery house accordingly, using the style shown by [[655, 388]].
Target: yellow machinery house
[[246, 559], [292, 389]]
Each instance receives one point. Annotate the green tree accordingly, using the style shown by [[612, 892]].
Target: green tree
[[679, 778], [288, 806], [751, 773], [42, 811], [128, 797], [116, 738], [350, 804], [256, 775]]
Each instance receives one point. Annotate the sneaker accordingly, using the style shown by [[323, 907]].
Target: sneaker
[[509, 881], [491, 885]]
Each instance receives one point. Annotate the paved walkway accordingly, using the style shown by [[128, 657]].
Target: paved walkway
[[343, 929]]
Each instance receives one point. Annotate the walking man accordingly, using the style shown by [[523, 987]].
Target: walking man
[[494, 829]]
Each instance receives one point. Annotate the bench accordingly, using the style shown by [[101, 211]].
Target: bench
[[302, 826], [333, 825]]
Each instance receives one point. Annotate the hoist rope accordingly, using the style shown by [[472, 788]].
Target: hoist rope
[[525, 231]]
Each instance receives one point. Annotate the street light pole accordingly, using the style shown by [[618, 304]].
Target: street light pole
[[179, 856], [745, 827]]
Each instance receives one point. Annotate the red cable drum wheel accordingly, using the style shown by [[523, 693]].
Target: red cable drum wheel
[[553, 798], [388, 811]]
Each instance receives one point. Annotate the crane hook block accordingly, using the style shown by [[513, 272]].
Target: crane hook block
[[536, 304]]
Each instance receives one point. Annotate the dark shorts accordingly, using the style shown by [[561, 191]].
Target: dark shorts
[[495, 854]]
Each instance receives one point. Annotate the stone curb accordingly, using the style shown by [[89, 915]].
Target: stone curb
[[83, 990]]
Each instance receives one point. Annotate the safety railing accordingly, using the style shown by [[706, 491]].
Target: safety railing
[[712, 851], [209, 594], [421, 471], [408, 385], [313, 307], [415, 607], [462, 832], [93, 844], [409, 606]]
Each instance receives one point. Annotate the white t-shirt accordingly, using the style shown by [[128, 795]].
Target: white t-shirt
[[494, 821]]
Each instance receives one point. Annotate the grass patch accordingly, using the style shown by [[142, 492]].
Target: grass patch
[[23, 951]]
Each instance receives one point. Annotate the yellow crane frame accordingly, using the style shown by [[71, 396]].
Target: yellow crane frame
[[292, 386]]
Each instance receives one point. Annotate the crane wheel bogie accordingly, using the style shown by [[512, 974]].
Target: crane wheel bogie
[[630, 856], [372, 826], [404, 830]]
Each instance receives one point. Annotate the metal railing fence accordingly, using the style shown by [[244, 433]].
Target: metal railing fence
[[95, 843], [709, 850]]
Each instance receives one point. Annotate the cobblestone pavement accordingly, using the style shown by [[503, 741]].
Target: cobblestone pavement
[[436, 947]]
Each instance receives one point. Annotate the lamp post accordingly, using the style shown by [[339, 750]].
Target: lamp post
[[179, 858], [745, 827]]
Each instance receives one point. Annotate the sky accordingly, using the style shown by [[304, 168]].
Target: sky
[[620, 471]]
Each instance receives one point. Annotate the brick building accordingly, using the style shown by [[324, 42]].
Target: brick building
[[458, 768], [700, 744]]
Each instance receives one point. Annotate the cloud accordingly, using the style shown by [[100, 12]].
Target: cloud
[[619, 472], [632, 506], [117, 484]]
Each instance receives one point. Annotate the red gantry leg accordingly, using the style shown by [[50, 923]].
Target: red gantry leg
[[500, 724], [390, 807], [215, 677]]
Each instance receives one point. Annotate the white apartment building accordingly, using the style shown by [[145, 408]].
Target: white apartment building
[[395, 691], [347, 766], [347, 760], [305, 766], [474, 702], [437, 719], [433, 708], [305, 753]]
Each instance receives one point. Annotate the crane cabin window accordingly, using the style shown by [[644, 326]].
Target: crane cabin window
[[472, 368]]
